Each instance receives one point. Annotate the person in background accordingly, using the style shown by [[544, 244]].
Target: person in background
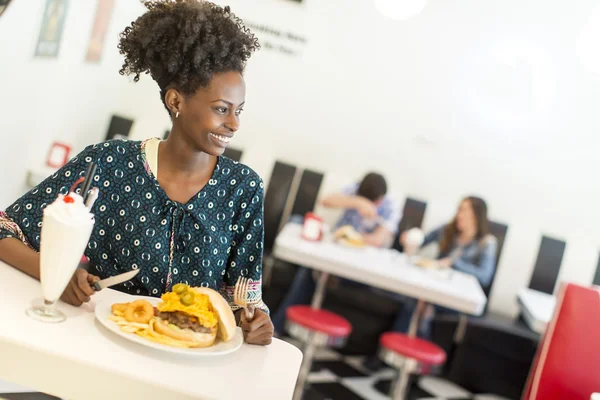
[[369, 210], [177, 210], [465, 245]]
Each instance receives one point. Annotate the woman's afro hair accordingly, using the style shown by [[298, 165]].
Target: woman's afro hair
[[182, 43]]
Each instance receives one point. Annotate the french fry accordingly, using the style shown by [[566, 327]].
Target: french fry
[[129, 329], [133, 324], [158, 338], [145, 331], [116, 318]]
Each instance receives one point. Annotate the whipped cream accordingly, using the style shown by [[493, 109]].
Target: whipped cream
[[73, 213]]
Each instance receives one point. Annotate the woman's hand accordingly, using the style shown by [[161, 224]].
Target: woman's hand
[[259, 331], [403, 238], [445, 262], [79, 289]]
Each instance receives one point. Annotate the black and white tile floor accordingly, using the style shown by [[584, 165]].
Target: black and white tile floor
[[8, 391], [337, 377], [333, 377]]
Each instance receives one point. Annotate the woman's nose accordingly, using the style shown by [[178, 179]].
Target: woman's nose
[[232, 123]]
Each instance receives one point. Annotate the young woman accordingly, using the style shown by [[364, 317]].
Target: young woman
[[176, 209], [464, 244]]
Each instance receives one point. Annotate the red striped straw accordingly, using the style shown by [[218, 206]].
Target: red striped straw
[[77, 182]]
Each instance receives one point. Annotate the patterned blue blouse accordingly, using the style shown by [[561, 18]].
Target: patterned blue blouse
[[210, 241]]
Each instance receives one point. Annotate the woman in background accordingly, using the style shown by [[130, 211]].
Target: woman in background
[[465, 245]]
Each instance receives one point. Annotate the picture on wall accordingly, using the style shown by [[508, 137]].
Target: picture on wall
[[58, 155], [52, 28], [104, 12]]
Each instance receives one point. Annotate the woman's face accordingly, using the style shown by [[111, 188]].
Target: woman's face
[[209, 118], [465, 217]]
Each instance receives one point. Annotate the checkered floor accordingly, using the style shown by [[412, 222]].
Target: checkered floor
[[335, 377], [8, 391]]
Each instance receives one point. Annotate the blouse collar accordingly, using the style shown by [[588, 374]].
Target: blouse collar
[[196, 206]]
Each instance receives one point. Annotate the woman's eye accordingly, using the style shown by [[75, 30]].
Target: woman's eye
[[221, 110], [238, 112]]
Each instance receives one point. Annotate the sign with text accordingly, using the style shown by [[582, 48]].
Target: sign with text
[[280, 40]]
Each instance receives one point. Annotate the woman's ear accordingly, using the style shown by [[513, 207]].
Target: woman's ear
[[173, 100]]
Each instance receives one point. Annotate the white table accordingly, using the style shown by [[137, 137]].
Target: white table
[[80, 359], [537, 308], [382, 268]]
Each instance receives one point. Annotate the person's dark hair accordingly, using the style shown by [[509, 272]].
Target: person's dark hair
[[183, 43], [372, 187], [451, 231]]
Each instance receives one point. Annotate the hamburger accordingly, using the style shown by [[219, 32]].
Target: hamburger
[[196, 316], [348, 236]]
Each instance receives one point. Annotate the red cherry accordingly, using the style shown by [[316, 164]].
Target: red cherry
[[69, 199]]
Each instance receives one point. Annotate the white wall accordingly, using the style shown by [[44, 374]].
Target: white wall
[[469, 97], [61, 99]]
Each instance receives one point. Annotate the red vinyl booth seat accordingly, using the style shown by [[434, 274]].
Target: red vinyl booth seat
[[567, 364]]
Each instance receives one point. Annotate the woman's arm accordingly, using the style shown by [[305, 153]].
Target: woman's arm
[[15, 249], [20, 225], [17, 254], [22, 219], [433, 236], [484, 269], [245, 258]]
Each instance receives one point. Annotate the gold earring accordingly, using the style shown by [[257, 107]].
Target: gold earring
[[177, 115]]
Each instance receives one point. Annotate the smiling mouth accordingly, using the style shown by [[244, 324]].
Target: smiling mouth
[[221, 138]]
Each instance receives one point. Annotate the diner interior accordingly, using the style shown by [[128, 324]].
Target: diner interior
[[454, 103]]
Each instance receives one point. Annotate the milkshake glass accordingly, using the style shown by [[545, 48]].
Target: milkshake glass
[[66, 229]]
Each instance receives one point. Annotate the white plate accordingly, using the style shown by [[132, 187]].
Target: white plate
[[103, 311]]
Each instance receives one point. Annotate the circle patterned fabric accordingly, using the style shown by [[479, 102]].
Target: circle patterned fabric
[[210, 241]]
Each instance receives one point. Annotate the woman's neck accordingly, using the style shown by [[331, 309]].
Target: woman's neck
[[178, 157], [467, 236]]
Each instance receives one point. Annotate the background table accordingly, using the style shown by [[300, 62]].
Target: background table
[[536, 308], [80, 359], [382, 268]]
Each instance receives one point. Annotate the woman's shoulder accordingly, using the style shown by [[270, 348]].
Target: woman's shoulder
[[488, 240], [241, 172], [120, 145], [114, 147]]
